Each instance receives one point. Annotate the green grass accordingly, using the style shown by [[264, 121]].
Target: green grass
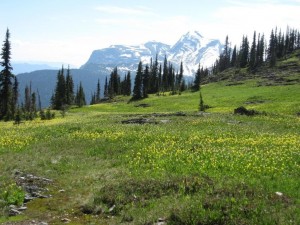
[[212, 168]]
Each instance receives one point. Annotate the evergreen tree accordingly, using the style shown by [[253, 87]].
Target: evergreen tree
[[69, 88], [196, 85], [97, 96], [80, 96], [260, 50], [106, 88], [244, 53], [233, 62], [272, 50], [6, 76], [253, 61], [180, 77], [145, 80], [60, 91], [159, 80], [165, 75], [224, 61], [137, 89], [154, 76], [128, 84], [201, 104]]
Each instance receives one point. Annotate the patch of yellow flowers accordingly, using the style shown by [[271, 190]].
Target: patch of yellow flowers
[[256, 154]]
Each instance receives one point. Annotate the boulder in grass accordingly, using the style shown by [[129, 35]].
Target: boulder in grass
[[243, 111]]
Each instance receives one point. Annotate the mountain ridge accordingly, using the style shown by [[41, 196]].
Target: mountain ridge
[[192, 48]]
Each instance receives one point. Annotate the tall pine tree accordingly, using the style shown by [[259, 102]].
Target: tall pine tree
[[137, 89], [6, 76]]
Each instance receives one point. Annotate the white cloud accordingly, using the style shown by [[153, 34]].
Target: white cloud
[[242, 18]]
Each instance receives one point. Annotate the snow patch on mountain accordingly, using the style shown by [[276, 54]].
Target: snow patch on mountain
[[191, 49]]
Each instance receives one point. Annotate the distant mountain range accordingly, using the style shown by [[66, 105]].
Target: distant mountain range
[[191, 49]]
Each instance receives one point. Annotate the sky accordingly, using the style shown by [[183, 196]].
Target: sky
[[67, 31]]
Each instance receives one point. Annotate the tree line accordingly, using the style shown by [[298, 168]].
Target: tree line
[[259, 53]]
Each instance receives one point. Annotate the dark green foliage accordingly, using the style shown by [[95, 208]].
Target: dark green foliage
[[18, 117], [196, 85], [145, 79], [7, 97], [48, 115], [80, 96], [64, 90], [201, 104], [106, 89], [224, 61], [272, 50], [69, 88], [96, 96], [244, 53], [114, 84], [253, 54], [137, 89], [279, 46]]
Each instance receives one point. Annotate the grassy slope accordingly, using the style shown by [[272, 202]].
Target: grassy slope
[[215, 168]]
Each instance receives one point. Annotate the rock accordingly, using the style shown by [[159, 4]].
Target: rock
[[65, 220], [14, 212], [111, 209], [42, 223], [139, 121], [161, 221], [23, 208], [243, 111]]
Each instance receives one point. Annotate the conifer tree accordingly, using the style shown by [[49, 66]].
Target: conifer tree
[[233, 62], [145, 81], [180, 77], [69, 88], [6, 76], [272, 50], [253, 61], [137, 89], [59, 99], [97, 96], [201, 104], [165, 75], [196, 84], [106, 88], [80, 96], [128, 84], [244, 53]]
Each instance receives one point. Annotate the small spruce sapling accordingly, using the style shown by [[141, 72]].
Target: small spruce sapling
[[201, 104]]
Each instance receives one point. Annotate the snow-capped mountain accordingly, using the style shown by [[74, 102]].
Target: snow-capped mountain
[[191, 49]]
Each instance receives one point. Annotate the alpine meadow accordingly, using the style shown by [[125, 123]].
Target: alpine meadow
[[162, 138]]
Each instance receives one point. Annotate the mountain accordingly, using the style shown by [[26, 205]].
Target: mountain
[[27, 67], [124, 56], [192, 49]]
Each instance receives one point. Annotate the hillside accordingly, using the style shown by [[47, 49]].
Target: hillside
[[45, 80], [160, 161]]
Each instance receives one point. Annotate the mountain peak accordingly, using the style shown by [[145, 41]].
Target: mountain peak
[[191, 49], [193, 34]]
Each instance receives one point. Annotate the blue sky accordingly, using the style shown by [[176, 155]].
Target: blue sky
[[67, 31]]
